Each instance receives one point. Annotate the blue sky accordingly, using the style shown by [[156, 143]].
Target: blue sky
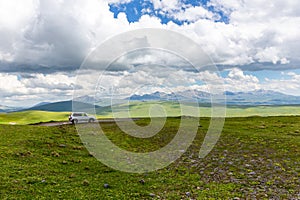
[[135, 9], [255, 44]]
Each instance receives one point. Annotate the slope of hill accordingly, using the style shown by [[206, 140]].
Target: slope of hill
[[62, 106], [32, 116]]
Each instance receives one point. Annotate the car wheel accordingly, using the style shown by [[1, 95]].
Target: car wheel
[[91, 120], [75, 121]]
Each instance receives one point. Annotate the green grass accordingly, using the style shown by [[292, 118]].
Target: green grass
[[30, 117], [255, 158], [141, 110]]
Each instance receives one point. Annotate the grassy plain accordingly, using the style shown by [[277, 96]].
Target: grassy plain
[[255, 158], [31, 117], [141, 110]]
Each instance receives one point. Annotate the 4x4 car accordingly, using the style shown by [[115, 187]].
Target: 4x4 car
[[77, 117]]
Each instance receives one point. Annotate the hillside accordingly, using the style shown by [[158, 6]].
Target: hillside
[[62, 106], [32, 116]]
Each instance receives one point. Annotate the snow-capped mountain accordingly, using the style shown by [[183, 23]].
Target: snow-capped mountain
[[257, 97]]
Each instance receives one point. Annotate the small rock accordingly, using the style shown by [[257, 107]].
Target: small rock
[[236, 198], [53, 183], [152, 195], [72, 175], [62, 145], [92, 154], [106, 185], [188, 194], [64, 162], [86, 182], [252, 173], [43, 181], [55, 154], [142, 181]]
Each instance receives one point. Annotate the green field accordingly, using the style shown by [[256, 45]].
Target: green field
[[255, 158], [30, 117], [141, 110]]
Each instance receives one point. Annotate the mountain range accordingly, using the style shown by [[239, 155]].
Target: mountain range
[[253, 98], [257, 97], [62, 106]]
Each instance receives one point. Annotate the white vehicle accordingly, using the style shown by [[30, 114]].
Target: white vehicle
[[77, 117]]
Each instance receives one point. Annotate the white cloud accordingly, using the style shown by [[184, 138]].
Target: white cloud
[[238, 81], [288, 85], [193, 14], [166, 5], [15, 89], [62, 33], [57, 35]]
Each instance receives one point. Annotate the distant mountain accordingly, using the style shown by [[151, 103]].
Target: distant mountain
[[253, 98], [260, 97], [257, 97], [86, 99], [187, 95], [153, 96], [4, 109], [63, 106]]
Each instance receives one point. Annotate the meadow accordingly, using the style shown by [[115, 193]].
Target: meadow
[[255, 158], [141, 110], [31, 117], [172, 109]]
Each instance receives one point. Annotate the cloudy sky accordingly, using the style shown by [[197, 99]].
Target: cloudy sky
[[254, 44]]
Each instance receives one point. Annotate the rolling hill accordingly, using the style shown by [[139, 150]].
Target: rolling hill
[[62, 106]]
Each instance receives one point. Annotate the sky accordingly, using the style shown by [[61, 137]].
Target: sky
[[43, 43]]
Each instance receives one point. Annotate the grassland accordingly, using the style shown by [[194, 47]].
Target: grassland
[[141, 110], [255, 158], [31, 117]]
